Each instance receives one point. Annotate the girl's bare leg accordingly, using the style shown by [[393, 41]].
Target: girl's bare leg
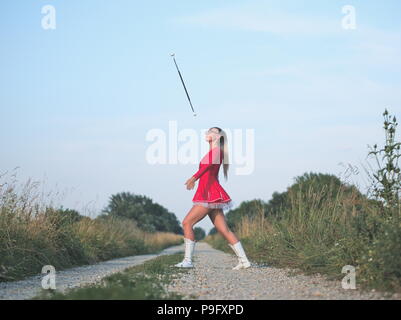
[[194, 215], [219, 220]]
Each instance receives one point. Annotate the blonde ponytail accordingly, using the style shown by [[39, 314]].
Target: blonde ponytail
[[224, 147]]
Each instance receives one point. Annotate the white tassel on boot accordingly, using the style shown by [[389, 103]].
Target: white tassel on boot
[[243, 261], [189, 249]]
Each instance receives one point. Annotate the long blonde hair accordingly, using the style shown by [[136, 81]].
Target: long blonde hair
[[224, 147]]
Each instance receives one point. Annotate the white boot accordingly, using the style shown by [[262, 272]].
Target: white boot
[[243, 261], [189, 249], [232, 247]]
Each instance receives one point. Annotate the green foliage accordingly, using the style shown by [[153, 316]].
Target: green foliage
[[276, 203], [212, 231], [63, 238], [320, 224], [143, 282], [308, 185], [321, 189], [199, 233], [148, 215], [246, 209], [69, 216], [380, 261], [386, 181]]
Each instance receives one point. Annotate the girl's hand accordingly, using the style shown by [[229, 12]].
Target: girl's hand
[[190, 183]]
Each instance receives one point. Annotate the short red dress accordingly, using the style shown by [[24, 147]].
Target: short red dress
[[210, 193]]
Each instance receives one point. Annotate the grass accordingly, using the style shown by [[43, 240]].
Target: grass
[[318, 235], [34, 234], [146, 281]]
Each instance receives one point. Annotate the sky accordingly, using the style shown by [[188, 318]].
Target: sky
[[77, 102]]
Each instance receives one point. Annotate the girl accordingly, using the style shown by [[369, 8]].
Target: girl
[[210, 198]]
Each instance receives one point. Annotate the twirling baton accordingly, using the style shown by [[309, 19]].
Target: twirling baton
[[189, 99]]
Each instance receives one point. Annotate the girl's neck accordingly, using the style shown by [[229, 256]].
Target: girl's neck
[[213, 145]]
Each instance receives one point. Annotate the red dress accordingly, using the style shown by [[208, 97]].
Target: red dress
[[210, 193]]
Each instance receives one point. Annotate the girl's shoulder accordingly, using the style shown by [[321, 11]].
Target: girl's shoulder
[[213, 154]]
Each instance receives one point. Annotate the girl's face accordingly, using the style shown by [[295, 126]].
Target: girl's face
[[212, 135]]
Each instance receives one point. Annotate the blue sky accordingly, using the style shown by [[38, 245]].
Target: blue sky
[[76, 102]]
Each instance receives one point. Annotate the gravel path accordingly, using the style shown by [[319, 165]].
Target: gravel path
[[212, 278], [75, 277]]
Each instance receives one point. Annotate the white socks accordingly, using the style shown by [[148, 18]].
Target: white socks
[[189, 250], [243, 261]]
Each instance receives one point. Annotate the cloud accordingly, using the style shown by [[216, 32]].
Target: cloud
[[271, 21], [378, 47], [366, 43]]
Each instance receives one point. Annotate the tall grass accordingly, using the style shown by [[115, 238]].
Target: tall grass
[[322, 234], [323, 226], [34, 233]]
